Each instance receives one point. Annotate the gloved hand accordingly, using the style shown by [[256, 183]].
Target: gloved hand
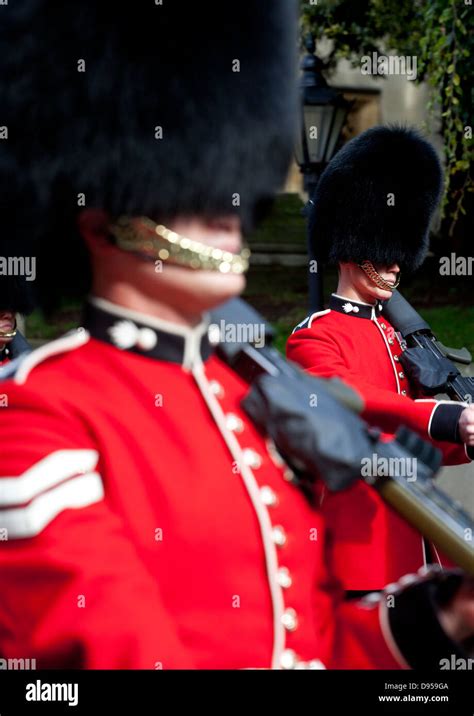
[[311, 429]]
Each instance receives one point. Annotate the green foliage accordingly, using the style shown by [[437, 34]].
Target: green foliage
[[440, 34]]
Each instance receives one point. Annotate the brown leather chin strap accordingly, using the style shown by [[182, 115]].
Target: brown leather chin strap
[[369, 269]]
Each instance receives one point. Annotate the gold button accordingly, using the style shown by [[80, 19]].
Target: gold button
[[252, 458], [288, 474], [383, 326], [279, 535], [315, 664], [404, 392], [289, 619], [396, 359], [214, 334], [234, 423], [267, 496], [284, 578], [216, 388], [401, 374], [390, 341], [288, 659]]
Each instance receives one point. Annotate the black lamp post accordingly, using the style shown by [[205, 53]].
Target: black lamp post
[[323, 113]]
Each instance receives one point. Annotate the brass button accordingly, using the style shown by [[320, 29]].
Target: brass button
[[390, 341], [288, 659], [216, 388], [252, 458], [289, 619], [279, 535], [214, 334], [315, 664], [396, 359], [284, 578], [268, 497], [234, 423], [288, 474], [383, 326], [404, 392], [401, 374]]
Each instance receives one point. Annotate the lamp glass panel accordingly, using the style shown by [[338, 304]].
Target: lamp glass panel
[[335, 132], [317, 121], [299, 151]]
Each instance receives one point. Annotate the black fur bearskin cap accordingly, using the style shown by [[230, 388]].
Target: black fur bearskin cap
[[158, 109], [376, 198], [16, 293]]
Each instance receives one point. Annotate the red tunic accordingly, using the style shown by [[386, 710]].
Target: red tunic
[[148, 524], [372, 545]]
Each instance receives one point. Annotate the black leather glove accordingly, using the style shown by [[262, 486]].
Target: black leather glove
[[311, 429]]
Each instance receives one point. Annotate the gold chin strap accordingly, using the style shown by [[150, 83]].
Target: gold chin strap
[[376, 278], [9, 334], [155, 241]]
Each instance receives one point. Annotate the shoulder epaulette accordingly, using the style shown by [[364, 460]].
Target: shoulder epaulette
[[307, 322], [20, 368]]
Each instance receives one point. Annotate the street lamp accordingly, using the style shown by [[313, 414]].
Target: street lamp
[[323, 113]]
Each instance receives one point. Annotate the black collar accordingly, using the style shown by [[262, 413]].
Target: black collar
[[146, 335], [355, 308]]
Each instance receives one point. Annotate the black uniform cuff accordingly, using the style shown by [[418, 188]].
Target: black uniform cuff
[[415, 625], [445, 422]]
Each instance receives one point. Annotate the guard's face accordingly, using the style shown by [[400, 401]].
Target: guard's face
[[390, 274], [182, 287], [7, 325], [366, 287], [158, 285]]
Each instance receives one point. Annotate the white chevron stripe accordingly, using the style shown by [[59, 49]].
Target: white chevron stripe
[[46, 473], [29, 521]]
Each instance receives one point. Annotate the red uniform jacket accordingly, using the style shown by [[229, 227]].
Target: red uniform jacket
[[145, 522], [372, 545]]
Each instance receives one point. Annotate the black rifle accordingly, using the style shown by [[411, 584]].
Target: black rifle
[[330, 441], [426, 361]]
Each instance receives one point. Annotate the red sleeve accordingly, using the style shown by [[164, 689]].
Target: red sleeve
[[355, 633], [74, 592], [363, 639], [317, 352]]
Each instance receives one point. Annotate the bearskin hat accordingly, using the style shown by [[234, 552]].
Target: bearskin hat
[[148, 108], [16, 294], [376, 198]]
